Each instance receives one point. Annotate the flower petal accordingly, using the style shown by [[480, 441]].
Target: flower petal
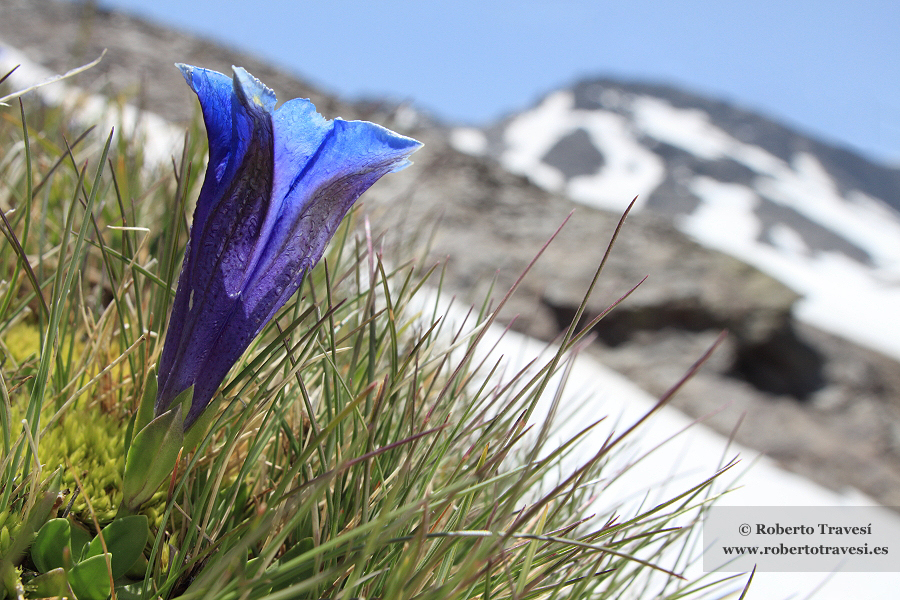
[[277, 186], [350, 159], [227, 221], [215, 92]]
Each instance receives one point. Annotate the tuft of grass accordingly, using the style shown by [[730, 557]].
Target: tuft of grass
[[368, 445]]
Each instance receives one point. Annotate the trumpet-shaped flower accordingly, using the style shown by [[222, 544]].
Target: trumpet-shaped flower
[[277, 186]]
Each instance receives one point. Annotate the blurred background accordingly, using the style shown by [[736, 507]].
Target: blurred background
[[827, 68]]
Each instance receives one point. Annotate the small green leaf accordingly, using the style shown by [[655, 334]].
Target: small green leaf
[[252, 565], [139, 569], [90, 579], [50, 584], [125, 540], [151, 459], [48, 546], [9, 579], [40, 513], [129, 432], [195, 434], [81, 537], [148, 401], [184, 399], [132, 591]]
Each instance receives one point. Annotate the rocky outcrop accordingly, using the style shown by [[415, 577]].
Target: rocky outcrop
[[820, 405], [492, 223]]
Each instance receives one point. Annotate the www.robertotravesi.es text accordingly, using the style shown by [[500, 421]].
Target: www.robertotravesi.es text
[[808, 550]]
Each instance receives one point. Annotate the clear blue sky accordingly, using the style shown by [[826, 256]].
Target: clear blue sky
[[830, 68]]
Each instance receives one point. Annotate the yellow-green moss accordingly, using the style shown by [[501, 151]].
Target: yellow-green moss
[[93, 442], [22, 340], [9, 526]]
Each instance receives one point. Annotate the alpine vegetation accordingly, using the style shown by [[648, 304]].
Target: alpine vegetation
[[368, 444]]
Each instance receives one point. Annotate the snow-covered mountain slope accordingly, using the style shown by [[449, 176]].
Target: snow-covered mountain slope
[[824, 221], [667, 455]]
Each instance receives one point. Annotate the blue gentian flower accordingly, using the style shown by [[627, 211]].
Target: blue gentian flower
[[277, 186]]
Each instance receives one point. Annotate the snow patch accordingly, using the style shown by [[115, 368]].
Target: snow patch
[[529, 136], [629, 169], [469, 140], [688, 129], [692, 131], [804, 185], [839, 294], [159, 137], [786, 239], [725, 217], [811, 191]]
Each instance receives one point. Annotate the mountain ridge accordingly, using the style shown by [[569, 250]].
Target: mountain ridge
[[751, 126], [805, 212]]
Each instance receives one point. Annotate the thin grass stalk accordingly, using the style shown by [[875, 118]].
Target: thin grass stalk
[[59, 293]]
